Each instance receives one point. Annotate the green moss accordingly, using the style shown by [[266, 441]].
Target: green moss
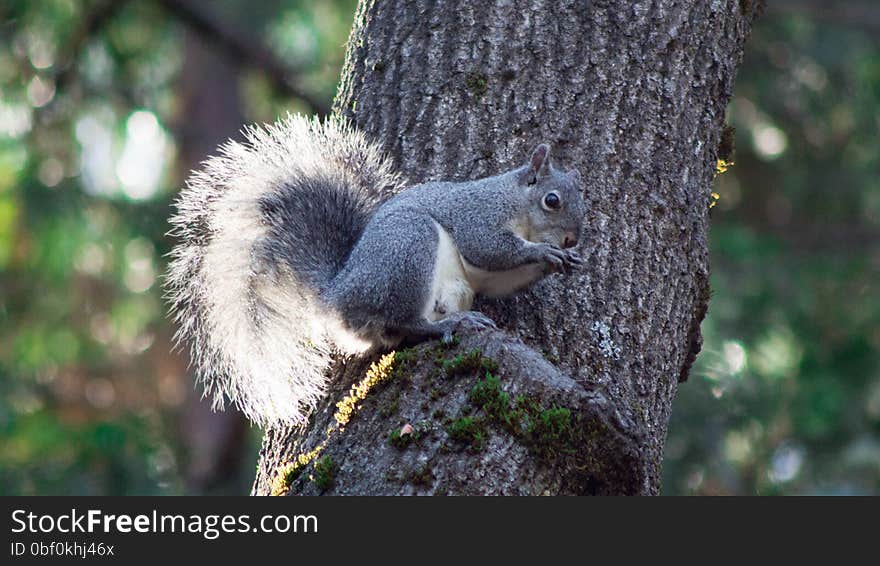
[[488, 395], [324, 473], [405, 356], [285, 478], [438, 352], [468, 430], [551, 424], [403, 362], [471, 362], [477, 84], [550, 432], [452, 343], [402, 441]]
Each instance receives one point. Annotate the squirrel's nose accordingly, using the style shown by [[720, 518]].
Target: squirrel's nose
[[569, 241]]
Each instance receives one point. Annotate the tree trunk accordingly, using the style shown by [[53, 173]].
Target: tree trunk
[[633, 94], [211, 112]]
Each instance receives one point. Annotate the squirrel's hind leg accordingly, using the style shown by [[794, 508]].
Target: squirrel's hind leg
[[404, 284], [447, 327]]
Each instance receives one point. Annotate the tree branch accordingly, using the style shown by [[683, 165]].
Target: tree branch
[[242, 49], [528, 428], [864, 14], [89, 26], [237, 46]]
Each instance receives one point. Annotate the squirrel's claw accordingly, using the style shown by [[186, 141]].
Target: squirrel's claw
[[559, 260], [573, 261], [473, 319]]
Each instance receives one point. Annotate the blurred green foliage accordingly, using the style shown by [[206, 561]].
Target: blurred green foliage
[[90, 391], [784, 399]]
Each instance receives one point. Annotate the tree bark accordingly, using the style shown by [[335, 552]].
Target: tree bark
[[633, 94]]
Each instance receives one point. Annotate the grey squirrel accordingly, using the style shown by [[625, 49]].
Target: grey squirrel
[[302, 240]]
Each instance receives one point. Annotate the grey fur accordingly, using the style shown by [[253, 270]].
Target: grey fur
[[389, 271], [293, 247]]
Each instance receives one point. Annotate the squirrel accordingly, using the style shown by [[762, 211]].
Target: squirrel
[[303, 241]]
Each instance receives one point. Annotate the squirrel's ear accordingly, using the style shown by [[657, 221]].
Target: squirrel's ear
[[539, 164], [575, 177]]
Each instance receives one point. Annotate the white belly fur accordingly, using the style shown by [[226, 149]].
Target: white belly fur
[[456, 281], [450, 289], [502, 283]]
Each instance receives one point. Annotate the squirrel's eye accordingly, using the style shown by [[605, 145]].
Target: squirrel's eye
[[552, 201]]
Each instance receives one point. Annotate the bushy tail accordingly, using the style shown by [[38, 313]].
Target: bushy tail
[[263, 228]]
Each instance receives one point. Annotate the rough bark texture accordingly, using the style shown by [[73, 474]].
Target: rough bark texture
[[631, 93]]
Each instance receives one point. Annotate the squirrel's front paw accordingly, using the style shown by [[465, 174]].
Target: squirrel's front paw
[[473, 319], [559, 260]]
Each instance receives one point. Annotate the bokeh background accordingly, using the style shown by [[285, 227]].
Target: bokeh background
[[105, 105]]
